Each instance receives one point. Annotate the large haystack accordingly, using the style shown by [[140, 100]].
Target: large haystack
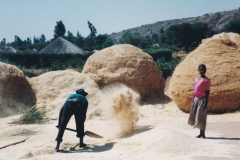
[[52, 88], [61, 45], [129, 65], [221, 54], [15, 91]]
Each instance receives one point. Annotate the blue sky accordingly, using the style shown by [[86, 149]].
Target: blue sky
[[28, 18]]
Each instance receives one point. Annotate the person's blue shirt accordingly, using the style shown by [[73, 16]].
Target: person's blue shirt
[[84, 102]]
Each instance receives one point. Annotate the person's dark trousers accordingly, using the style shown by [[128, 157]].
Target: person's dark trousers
[[79, 112], [80, 117]]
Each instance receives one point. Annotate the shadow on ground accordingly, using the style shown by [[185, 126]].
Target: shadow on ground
[[90, 148], [222, 138], [153, 101]]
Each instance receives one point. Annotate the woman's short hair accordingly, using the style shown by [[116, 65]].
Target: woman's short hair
[[202, 66]]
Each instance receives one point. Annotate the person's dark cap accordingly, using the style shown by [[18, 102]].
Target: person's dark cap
[[81, 91]]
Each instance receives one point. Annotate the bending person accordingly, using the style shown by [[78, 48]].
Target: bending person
[[75, 104]]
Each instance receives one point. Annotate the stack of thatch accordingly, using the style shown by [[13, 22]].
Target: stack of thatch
[[128, 65], [52, 89], [221, 55], [60, 45], [15, 91]]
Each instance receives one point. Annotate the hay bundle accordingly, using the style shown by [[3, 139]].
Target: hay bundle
[[128, 65], [221, 55], [15, 91], [52, 88]]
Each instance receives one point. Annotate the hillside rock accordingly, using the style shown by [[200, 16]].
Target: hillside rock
[[215, 21]]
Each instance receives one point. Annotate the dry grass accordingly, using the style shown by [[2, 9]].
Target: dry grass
[[128, 65], [15, 91]]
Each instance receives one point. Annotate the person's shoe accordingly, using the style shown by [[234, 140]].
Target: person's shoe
[[199, 136], [203, 136], [56, 149], [82, 145]]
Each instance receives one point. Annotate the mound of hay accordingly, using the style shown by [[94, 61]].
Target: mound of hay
[[15, 91], [128, 65], [61, 45], [53, 88], [221, 55]]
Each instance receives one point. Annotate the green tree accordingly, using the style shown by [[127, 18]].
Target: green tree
[[59, 30], [126, 36], [88, 43], [28, 41], [135, 40], [161, 30], [25, 44], [78, 34], [42, 38], [99, 40], [93, 30], [108, 42], [155, 38], [70, 37], [17, 41], [79, 41], [38, 40], [185, 35], [90, 40], [233, 26], [35, 40], [3, 41]]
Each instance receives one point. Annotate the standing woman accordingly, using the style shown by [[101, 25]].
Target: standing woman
[[198, 111]]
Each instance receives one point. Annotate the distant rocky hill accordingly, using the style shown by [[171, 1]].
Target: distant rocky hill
[[216, 21]]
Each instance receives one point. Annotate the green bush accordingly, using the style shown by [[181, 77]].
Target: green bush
[[53, 61], [233, 26], [159, 53], [34, 64], [30, 73], [34, 115], [167, 68]]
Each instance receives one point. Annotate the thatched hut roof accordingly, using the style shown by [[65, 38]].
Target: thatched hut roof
[[61, 45], [8, 49]]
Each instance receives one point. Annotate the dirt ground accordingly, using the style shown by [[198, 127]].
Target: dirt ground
[[159, 133]]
